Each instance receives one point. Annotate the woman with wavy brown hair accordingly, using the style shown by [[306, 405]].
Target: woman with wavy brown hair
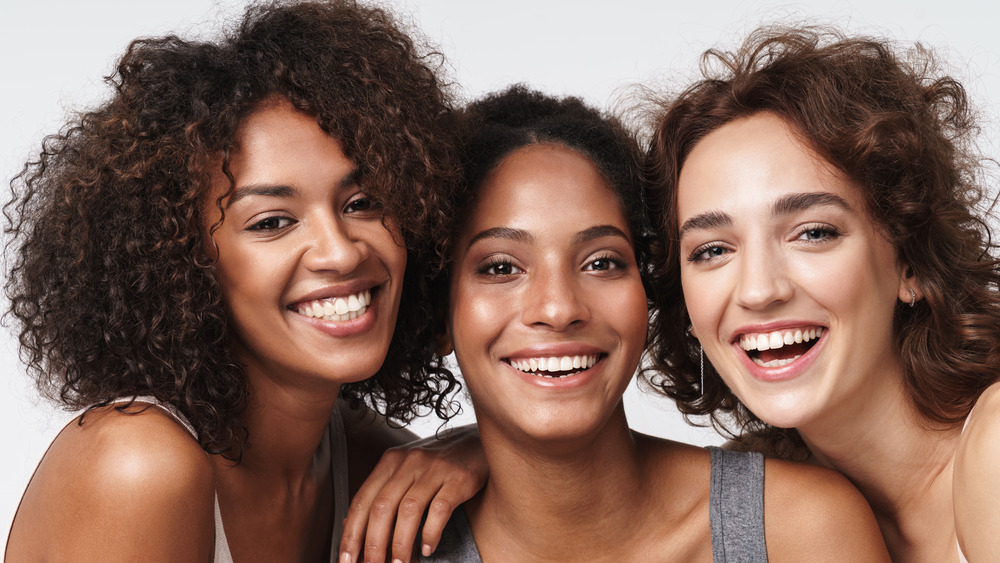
[[231, 249], [829, 282]]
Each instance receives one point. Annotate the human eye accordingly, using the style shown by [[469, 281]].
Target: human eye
[[604, 263], [498, 266], [708, 252], [271, 223], [817, 233], [363, 204]]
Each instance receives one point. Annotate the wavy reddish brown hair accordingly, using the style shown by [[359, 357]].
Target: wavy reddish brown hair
[[904, 134], [109, 284]]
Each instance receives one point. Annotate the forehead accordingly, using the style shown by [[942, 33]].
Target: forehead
[[750, 163], [543, 184]]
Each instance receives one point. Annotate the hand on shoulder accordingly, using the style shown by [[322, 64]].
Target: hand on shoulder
[[815, 514], [118, 487], [976, 482]]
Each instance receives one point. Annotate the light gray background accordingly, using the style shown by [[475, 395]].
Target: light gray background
[[54, 53]]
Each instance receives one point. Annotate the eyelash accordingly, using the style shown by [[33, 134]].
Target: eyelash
[[614, 262], [260, 225], [829, 232], [492, 263], [696, 254], [371, 205]]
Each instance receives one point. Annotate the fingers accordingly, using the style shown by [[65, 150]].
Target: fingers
[[438, 515], [429, 476], [408, 519], [374, 497]]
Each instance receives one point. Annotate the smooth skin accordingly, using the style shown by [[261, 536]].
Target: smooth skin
[[545, 268], [775, 239], [136, 486]]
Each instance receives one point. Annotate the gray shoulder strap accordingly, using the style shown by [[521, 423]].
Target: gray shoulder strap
[[736, 506]]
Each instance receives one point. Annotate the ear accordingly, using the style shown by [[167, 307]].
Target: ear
[[909, 291], [442, 343]]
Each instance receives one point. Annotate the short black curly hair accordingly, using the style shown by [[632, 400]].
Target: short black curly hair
[[500, 123], [110, 286]]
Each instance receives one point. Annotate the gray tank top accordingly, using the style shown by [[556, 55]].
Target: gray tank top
[[337, 438], [736, 514]]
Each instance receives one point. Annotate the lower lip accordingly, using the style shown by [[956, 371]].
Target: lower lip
[[785, 372], [342, 329], [578, 379]]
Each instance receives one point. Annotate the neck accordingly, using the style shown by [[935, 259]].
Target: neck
[[285, 427], [899, 460], [583, 493]]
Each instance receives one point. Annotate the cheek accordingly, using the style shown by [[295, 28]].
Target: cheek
[[704, 298], [477, 314]]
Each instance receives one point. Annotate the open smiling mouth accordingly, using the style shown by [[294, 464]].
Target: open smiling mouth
[[781, 347], [336, 308], [554, 367]]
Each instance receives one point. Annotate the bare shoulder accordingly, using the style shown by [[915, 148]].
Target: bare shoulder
[[118, 486], [368, 436], [815, 514], [976, 481]]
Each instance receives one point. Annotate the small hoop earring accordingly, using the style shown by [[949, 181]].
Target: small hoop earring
[[913, 297], [701, 368]]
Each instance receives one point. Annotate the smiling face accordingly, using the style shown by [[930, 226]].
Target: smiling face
[[789, 285], [309, 274], [548, 312]]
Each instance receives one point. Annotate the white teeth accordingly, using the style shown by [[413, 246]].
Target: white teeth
[[554, 366], [776, 363], [337, 308], [778, 339]]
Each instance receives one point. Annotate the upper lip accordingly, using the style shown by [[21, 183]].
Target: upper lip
[[334, 291]]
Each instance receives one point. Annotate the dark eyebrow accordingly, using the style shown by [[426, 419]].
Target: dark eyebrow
[[600, 231], [507, 233], [283, 191], [709, 220], [792, 203], [265, 190]]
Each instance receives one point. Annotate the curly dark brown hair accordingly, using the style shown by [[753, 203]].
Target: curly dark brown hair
[[904, 134], [110, 287]]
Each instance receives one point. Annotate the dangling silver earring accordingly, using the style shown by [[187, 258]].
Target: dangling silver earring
[[701, 368], [913, 297]]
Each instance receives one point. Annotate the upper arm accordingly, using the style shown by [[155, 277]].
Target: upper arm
[[119, 487], [977, 481], [815, 514]]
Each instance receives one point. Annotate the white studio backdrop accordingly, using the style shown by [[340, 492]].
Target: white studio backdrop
[[54, 54]]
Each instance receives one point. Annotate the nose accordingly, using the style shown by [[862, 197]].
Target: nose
[[554, 300], [332, 246], [763, 279]]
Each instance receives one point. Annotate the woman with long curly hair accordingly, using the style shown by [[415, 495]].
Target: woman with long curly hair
[[829, 281], [233, 248]]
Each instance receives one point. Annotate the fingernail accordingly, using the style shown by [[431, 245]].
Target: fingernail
[[397, 561], [345, 557], [426, 550]]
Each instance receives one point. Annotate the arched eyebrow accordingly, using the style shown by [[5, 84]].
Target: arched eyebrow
[[599, 231], [282, 190], [709, 220], [785, 205], [792, 203], [507, 233]]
